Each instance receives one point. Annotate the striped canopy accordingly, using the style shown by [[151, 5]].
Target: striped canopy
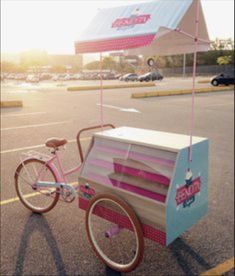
[[158, 27]]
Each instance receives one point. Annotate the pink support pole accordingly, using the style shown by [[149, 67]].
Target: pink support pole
[[194, 79], [101, 94]]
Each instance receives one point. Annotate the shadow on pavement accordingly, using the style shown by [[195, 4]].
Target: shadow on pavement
[[37, 222], [110, 272], [180, 250]]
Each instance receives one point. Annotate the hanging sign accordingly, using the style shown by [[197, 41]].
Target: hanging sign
[[186, 194]]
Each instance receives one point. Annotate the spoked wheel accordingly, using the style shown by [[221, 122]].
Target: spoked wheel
[[114, 232], [28, 173]]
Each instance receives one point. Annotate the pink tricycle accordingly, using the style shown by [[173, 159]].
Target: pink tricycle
[[133, 183]]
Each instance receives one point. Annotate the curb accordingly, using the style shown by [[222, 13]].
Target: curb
[[204, 81], [6, 104], [179, 92], [97, 87]]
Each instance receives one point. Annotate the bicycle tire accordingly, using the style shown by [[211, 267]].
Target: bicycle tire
[[136, 227], [31, 194]]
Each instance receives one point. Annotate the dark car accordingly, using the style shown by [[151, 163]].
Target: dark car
[[107, 76], [151, 76], [130, 77], [223, 78]]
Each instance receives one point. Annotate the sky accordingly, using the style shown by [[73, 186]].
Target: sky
[[54, 25]]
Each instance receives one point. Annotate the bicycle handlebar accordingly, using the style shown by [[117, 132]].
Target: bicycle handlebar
[[88, 129]]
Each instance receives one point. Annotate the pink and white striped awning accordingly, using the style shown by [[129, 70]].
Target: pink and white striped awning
[[115, 44]]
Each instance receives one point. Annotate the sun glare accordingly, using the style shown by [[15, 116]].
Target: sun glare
[[47, 25]]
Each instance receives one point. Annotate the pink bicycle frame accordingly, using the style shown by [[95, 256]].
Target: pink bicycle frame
[[60, 173]]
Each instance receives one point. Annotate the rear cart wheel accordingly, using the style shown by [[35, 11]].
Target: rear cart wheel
[[114, 232], [28, 173]]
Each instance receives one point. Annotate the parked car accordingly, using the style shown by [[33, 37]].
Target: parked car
[[111, 76], [32, 78], [223, 78], [20, 76], [118, 76], [11, 76], [45, 76], [61, 77], [75, 76], [129, 77], [67, 77], [89, 76], [151, 76], [122, 76]]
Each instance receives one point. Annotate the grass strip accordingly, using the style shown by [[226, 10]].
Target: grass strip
[[204, 81]]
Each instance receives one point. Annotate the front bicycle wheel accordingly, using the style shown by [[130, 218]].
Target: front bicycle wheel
[[114, 232], [28, 173]]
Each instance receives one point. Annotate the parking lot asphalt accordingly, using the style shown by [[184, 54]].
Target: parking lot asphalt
[[11, 88], [56, 243]]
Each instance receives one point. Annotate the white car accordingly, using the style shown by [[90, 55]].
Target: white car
[[32, 78]]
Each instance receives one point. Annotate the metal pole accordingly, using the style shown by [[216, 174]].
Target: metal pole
[[194, 77], [101, 93], [184, 64]]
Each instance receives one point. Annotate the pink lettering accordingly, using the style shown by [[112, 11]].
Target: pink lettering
[[123, 22]]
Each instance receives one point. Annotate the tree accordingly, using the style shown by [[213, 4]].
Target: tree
[[222, 44], [109, 63], [7, 67], [224, 60], [10, 67], [124, 67], [58, 69], [94, 65], [159, 60], [34, 58]]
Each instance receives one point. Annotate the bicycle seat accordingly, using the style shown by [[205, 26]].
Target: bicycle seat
[[55, 142]]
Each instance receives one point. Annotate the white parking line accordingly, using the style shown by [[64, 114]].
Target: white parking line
[[38, 146], [219, 104], [120, 108], [23, 114], [38, 125], [20, 149]]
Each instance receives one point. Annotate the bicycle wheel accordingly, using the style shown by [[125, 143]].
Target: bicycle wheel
[[38, 200], [114, 232]]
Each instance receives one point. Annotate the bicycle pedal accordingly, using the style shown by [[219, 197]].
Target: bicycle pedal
[[48, 193], [69, 200]]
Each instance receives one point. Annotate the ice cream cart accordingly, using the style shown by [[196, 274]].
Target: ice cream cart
[[133, 183]]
